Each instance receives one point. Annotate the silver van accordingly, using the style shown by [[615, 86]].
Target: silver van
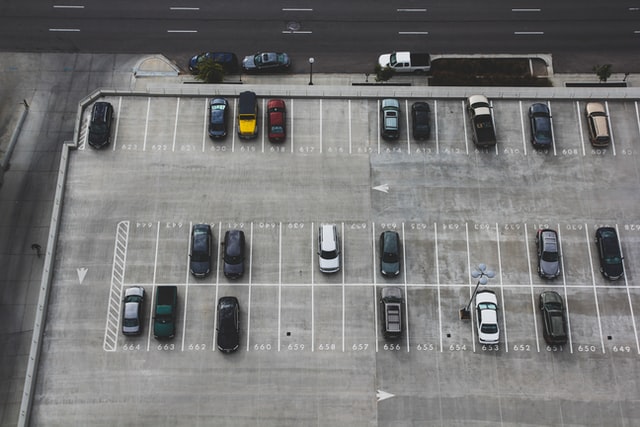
[[328, 248]]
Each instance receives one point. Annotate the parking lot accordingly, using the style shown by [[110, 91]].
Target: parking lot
[[311, 349]]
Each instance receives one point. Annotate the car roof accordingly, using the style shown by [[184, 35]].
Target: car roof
[[328, 242], [390, 239], [233, 242]]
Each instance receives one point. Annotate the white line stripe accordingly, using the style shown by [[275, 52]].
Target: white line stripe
[[205, 124], [553, 136], [349, 108], [470, 284], [564, 287], [186, 285], [626, 282], [296, 32], [406, 116], [613, 143], [65, 30], [406, 294], [175, 125], [526, 10], [296, 9], [579, 117], [313, 254], [183, 8], [524, 136], [411, 10], [67, 6], [435, 121], [146, 126], [321, 125], [466, 134], [435, 244], [533, 299], [115, 134], [504, 311], [413, 33], [375, 289], [182, 31], [593, 281], [279, 282], [264, 122], [291, 125], [528, 33]]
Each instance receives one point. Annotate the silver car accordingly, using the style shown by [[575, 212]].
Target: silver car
[[548, 253], [132, 309]]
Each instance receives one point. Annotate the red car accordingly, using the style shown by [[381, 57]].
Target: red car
[[276, 120]]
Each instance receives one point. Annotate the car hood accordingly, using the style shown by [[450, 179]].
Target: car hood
[[390, 268], [200, 268], [549, 269], [233, 270], [227, 340], [613, 271], [248, 62], [329, 265]]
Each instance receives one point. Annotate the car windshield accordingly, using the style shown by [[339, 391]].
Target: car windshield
[[554, 306], [550, 256], [130, 322], [489, 328], [613, 260], [277, 129], [328, 254], [487, 306]]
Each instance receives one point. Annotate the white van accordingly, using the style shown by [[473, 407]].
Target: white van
[[328, 248]]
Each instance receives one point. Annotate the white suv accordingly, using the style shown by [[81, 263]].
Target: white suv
[[328, 248]]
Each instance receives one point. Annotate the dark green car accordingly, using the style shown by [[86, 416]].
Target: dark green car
[[389, 253]]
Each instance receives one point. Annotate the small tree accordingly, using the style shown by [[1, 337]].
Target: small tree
[[383, 74], [603, 72], [210, 71]]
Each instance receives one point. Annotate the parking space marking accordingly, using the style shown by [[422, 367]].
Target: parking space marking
[[613, 142], [435, 123], [112, 328], [313, 317], [466, 133], [533, 300], [375, 285], [320, 121], [626, 283], [205, 124], [233, 131], [349, 114], [524, 137], [186, 286], [291, 113], [593, 281], [378, 123], [264, 122], [153, 284], [175, 125], [117, 127], [343, 273], [564, 287], [635, 103], [579, 117], [406, 116], [250, 284], [435, 234], [146, 125], [504, 311], [279, 282], [470, 284], [553, 134], [406, 294]]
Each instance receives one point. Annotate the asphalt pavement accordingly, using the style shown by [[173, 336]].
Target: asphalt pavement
[[39, 113]]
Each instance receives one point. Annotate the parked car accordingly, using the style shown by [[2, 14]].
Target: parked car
[[276, 120], [266, 61], [100, 124], [132, 310], [201, 243], [391, 312], [540, 121], [228, 60], [487, 311], [234, 247], [548, 253], [421, 120], [218, 117], [328, 248], [247, 115], [598, 124], [228, 324], [554, 321], [609, 253], [389, 253], [390, 111]]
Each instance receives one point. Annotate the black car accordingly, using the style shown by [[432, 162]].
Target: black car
[[228, 324], [540, 121], [234, 246], [548, 253], [100, 124], [421, 120], [201, 239], [266, 61], [554, 320], [609, 253], [218, 117], [228, 60], [132, 310], [389, 253]]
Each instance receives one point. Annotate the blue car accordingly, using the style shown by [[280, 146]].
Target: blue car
[[228, 60]]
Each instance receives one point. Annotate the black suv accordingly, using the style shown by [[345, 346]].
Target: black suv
[[234, 246], [553, 315], [609, 253], [228, 326], [421, 120], [100, 124], [201, 238]]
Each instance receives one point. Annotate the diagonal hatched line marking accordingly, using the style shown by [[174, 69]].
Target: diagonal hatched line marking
[[115, 291]]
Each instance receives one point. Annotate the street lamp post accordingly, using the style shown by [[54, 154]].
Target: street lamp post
[[311, 61], [483, 275]]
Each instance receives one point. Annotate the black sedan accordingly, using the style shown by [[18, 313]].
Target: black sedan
[[609, 253], [218, 118], [389, 253], [540, 121], [228, 324], [266, 61], [228, 60], [554, 320], [421, 120]]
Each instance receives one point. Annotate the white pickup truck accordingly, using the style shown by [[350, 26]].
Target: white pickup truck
[[406, 62]]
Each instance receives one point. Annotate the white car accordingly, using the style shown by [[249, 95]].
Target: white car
[[328, 249], [487, 310]]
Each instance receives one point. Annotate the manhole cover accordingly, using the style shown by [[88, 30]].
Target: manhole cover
[[293, 26]]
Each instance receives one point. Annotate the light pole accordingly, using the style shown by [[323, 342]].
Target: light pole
[[483, 275], [311, 61]]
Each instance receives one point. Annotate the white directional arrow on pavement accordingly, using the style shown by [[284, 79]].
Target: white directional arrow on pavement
[[383, 395], [82, 272], [384, 188]]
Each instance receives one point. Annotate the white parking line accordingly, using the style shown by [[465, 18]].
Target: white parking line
[[406, 116], [343, 273], [524, 137], [564, 287], [264, 122], [633, 317], [635, 103], [350, 136], [470, 284], [313, 325], [466, 133], [435, 122], [291, 133], [279, 282], [435, 233], [406, 294], [233, 132], [153, 283], [146, 125], [504, 311], [378, 124], [112, 328], [115, 133], [320, 133], [613, 142], [579, 117], [533, 299], [175, 125], [186, 284], [375, 288], [593, 281], [205, 126]]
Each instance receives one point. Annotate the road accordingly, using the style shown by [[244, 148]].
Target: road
[[341, 36]]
